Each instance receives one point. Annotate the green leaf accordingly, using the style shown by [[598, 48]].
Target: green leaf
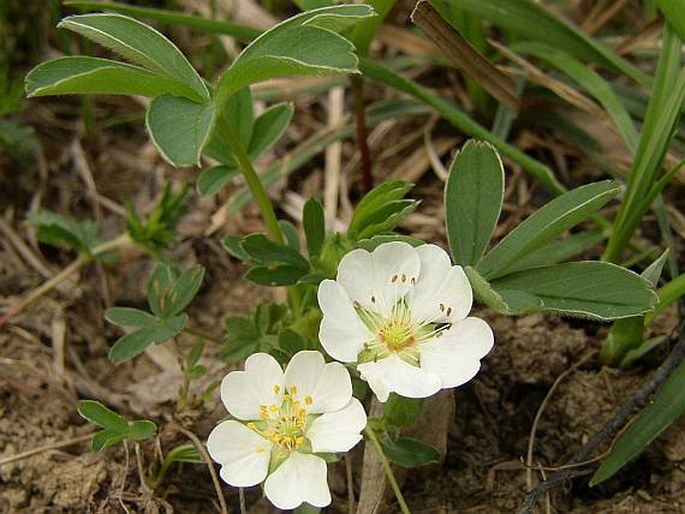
[[668, 405], [625, 335], [91, 75], [129, 317], [185, 288], [184, 453], [380, 210], [140, 44], [102, 416], [232, 244], [132, 344], [58, 230], [136, 342], [314, 223], [265, 251], [269, 127], [141, 429], [243, 339], [160, 281], [409, 452], [674, 11], [545, 224], [559, 250], [597, 290], [276, 275], [652, 273], [197, 372], [473, 200], [532, 20], [401, 412], [234, 120], [194, 355], [290, 234], [105, 439], [213, 179], [306, 44], [484, 292], [386, 218], [179, 128]]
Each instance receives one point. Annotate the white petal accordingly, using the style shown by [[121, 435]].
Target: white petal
[[243, 454], [338, 431], [392, 374], [443, 292], [342, 333], [327, 386], [455, 357], [397, 266], [260, 384], [356, 275], [301, 478]]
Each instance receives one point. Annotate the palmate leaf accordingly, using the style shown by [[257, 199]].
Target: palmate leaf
[[140, 44], [306, 44], [91, 75]]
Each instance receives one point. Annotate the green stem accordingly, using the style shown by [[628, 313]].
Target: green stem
[[263, 201], [371, 435], [256, 186], [668, 294]]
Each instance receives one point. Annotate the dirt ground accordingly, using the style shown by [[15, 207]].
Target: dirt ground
[[55, 351]]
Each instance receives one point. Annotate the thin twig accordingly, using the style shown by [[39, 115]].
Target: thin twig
[[46, 448], [210, 465], [637, 399]]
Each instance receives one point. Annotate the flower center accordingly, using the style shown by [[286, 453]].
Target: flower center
[[284, 425], [396, 334]]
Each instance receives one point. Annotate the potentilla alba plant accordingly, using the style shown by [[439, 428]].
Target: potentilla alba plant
[[283, 420], [401, 314]]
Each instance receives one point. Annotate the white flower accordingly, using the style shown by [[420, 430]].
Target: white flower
[[401, 314], [282, 421]]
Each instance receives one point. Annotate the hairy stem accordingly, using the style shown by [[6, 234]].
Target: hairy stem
[[256, 187]]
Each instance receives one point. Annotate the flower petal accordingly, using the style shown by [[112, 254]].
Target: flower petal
[[455, 357], [243, 454], [338, 431], [443, 292], [260, 384], [342, 333], [397, 266], [321, 387], [357, 277], [392, 374], [301, 478]]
